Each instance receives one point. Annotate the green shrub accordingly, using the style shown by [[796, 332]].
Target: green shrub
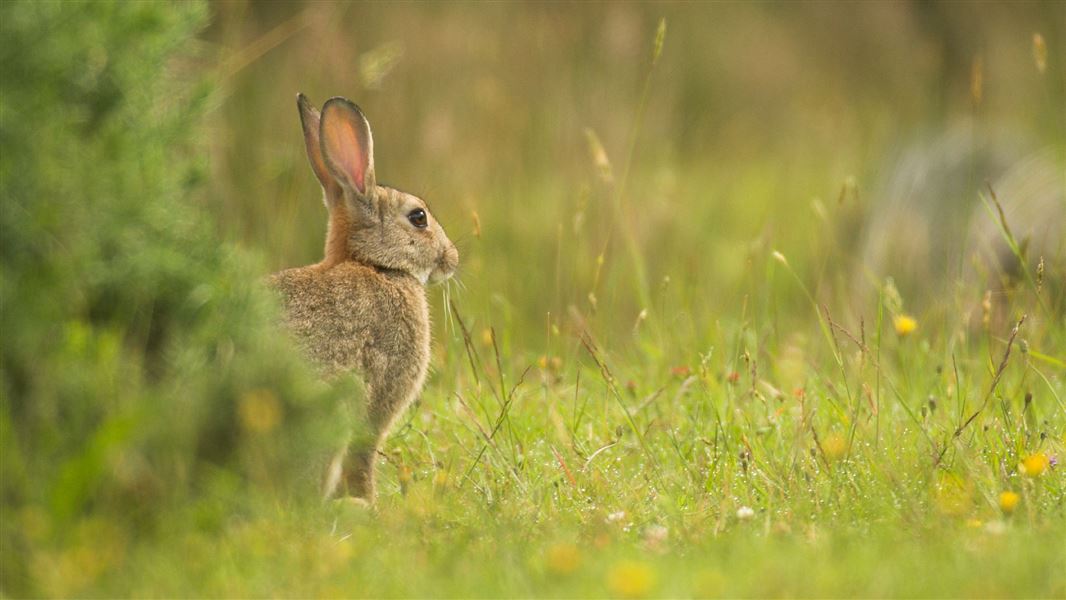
[[141, 368]]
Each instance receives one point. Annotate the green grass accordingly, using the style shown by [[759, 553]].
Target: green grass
[[572, 497], [667, 371]]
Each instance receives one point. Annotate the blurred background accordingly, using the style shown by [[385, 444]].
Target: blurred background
[[853, 138]]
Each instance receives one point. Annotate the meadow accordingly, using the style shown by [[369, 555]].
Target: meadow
[[754, 300]]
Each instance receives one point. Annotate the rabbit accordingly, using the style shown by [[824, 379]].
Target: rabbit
[[363, 307]]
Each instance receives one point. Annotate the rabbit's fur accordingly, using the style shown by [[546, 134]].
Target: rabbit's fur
[[363, 307]]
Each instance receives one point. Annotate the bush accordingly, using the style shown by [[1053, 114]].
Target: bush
[[141, 369]]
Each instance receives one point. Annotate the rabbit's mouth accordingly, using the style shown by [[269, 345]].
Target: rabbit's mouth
[[438, 276], [446, 265], [441, 273]]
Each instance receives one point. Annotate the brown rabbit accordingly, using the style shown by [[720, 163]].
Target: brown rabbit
[[363, 307]]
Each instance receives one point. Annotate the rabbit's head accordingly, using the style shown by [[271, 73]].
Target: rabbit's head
[[371, 224]]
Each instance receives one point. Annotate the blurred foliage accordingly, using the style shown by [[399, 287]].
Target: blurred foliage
[[140, 370]]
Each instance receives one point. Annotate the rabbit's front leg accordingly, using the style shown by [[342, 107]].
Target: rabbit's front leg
[[359, 471], [362, 455], [386, 396]]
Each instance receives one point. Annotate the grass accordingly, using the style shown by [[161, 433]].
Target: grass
[[666, 371], [880, 475]]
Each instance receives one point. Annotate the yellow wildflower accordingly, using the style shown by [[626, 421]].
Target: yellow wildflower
[[1008, 501], [562, 559], [440, 479], [549, 363], [1034, 465], [904, 324], [630, 579], [835, 446], [260, 411]]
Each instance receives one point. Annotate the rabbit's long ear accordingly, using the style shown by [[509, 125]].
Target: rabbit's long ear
[[309, 121], [348, 147]]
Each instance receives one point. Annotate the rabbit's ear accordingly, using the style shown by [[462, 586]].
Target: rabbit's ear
[[309, 120], [348, 146]]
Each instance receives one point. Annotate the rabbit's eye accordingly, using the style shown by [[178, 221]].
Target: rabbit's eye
[[417, 217]]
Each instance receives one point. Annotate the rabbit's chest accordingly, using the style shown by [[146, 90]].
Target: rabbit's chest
[[375, 326], [386, 336]]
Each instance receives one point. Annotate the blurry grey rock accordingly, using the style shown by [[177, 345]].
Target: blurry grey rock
[[929, 230]]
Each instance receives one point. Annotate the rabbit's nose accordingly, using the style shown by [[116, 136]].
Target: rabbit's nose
[[449, 260]]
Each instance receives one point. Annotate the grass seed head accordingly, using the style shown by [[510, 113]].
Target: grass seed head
[[892, 300], [660, 39], [599, 156], [1040, 53], [977, 80], [476, 218]]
